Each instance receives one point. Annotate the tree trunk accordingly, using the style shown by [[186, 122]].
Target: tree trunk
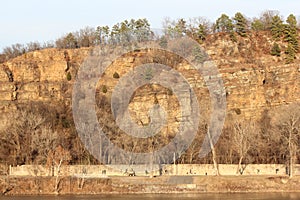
[[216, 168], [238, 172], [291, 166], [57, 180], [291, 155], [215, 161]]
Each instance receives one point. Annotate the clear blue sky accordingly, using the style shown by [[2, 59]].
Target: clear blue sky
[[22, 21]]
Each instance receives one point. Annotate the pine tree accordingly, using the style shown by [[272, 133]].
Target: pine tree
[[277, 27], [201, 34], [257, 25], [290, 32], [291, 37], [290, 54], [224, 24], [180, 26], [275, 51], [70, 41], [163, 42], [240, 24]]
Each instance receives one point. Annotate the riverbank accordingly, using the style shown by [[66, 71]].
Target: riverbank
[[14, 185]]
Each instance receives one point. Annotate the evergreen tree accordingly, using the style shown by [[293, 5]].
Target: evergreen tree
[[142, 29], [240, 24], [199, 55], [290, 32], [163, 42], [257, 25], [176, 29], [275, 51], [115, 33], [70, 41], [290, 54], [277, 27], [291, 37], [224, 24], [102, 34], [180, 26], [201, 33]]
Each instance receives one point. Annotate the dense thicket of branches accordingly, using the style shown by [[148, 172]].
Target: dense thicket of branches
[[31, 134]]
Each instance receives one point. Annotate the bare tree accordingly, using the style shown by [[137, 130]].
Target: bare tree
[[213, 151], [57, 158], [266, 18], [17, 133], [27, 135], [243, 135], [287, 122]]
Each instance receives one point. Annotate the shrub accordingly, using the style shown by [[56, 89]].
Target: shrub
[[275, 51], [69, 76], [104, 89], [238, 111], [116, 75]]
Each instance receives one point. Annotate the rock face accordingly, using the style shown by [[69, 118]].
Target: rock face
[[254, 80], [38, 76]]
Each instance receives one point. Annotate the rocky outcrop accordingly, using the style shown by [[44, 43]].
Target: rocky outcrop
[[254, 80]]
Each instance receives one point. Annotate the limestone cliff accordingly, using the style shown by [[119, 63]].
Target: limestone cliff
[[254, 79]]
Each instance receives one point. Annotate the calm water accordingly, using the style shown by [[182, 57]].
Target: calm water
[[260, 196]]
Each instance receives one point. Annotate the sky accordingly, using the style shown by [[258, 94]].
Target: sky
[[23, 21]]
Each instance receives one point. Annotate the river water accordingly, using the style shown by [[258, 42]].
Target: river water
[[239, 196]]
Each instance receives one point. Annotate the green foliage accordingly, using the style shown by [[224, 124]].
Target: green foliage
[[257, 25], [70, 41], [199, 55], [277, 27], [69, 76], [176, 28], [275, 51], [291, 37], [224, 24], [267, 17], [201, 33], [148, 75], [141, 29], [116, 75], [181, 26], [240, 24], [163, 42], [104, 89], [290, 32], [125, 31], [290, 54], [233, 37], [102, 35], [291, 20]]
